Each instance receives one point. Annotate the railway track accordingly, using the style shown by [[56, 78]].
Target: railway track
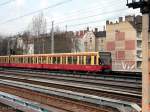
[[47, 80], [124, 91], [103, 83], [43, 95], [6, 108], [114, 76]]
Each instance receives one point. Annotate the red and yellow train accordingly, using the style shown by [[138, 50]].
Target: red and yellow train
[[87, 61]]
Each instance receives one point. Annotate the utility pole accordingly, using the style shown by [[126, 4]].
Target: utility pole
[[144, 5], [66, 28], [52, 38]]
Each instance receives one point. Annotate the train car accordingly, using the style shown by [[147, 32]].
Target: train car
[[86, 61]]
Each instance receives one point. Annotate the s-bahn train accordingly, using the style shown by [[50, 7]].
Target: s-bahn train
[[86, 61]]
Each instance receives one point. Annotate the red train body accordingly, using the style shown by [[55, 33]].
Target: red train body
[[87, 62]]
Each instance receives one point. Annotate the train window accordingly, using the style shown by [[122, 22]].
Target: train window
[[44, 60], [49, 60], [88, 60], [95, 60], [36, 60], [20, 60], [29, 60], [32, 59], [39, 60], [63, 60], [54, 60], [69, 60], [24, 59], [58, 60], [14, 60], [81, 60], [75, 60]]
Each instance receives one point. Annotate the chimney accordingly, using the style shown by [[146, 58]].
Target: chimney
[[120, 19], [96, 30], [77, 33], [138, 19], [104, 28], [107, 22], [111, 22], [81, 33], [129, 18], [87, 28]]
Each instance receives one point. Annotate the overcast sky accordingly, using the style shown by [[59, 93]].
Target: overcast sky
[[76, 14]]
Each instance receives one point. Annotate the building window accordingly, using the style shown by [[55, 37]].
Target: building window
[[91, 40]]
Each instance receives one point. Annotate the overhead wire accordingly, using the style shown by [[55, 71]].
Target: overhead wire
[[7, 2], [92, 22], [76, 13], [74, 25], [31, 13], [91, 16]]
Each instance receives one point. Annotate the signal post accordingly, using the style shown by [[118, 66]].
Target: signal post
[[144, 5]]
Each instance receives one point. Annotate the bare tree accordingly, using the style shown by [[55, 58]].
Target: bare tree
[[76, 44], [38, 25]]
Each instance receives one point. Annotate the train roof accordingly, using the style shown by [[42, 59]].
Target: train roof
[[57, 54]]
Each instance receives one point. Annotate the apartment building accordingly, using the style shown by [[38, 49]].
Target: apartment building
[[100, 40], [91, 40], [124, 41]]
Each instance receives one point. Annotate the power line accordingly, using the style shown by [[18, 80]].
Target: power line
[[91, 16], [95, 21], [85, 11], [7, 2], [31, 13]]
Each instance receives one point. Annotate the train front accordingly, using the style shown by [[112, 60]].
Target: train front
[[105, 61]]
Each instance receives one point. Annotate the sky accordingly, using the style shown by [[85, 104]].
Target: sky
[[15, 15]]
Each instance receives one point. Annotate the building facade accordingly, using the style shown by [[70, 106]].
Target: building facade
[[123, 40], [91, 41], [100, 40]]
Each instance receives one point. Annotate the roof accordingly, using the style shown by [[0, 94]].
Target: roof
[[57, 54], [100, 34]]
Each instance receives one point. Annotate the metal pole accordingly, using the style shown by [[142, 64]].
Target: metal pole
[[52, 38], [145, 65]]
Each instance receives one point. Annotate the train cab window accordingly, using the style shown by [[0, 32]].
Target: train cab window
[[69, 60]]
